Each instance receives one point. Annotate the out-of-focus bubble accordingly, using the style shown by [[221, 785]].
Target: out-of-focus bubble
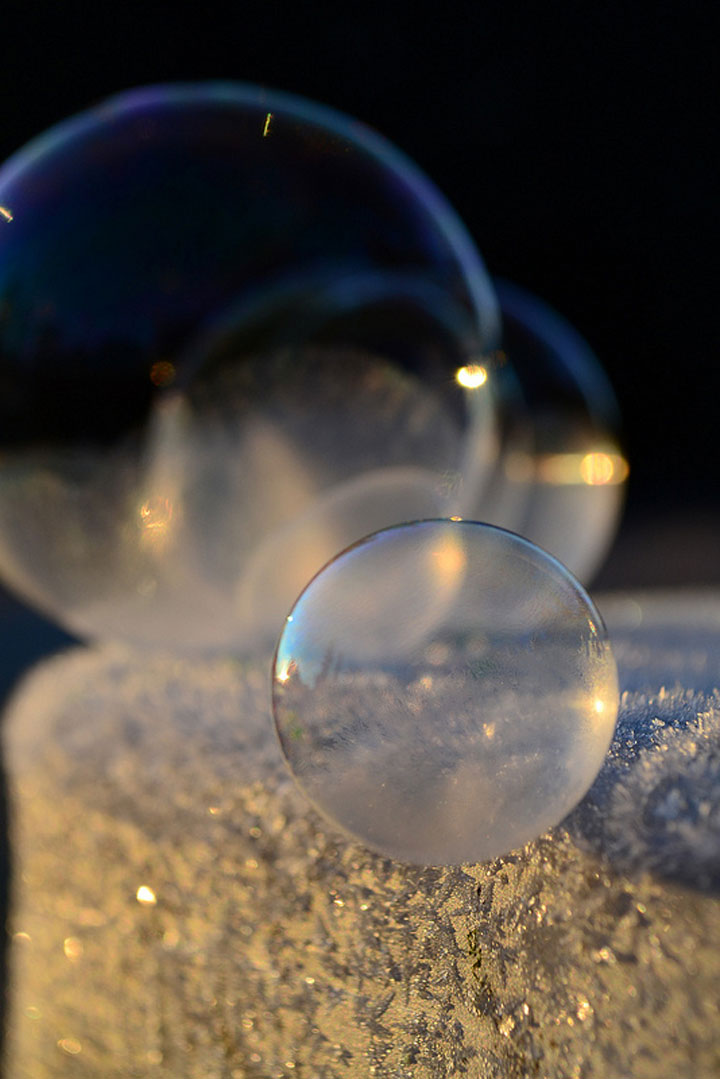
[[444, 691], [561, 475], [231, 326]]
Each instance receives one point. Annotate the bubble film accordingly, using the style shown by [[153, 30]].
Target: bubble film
[[230, 325], [444, 691], [561, 475]]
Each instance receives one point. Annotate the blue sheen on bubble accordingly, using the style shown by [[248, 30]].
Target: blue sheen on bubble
[[139, 222], [222, 308], [444, 691]]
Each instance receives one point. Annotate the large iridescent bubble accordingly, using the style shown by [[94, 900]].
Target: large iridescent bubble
[[230, 327]]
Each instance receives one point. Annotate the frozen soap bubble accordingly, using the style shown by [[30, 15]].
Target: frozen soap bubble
[[444, 691], [230, 322], [561, 477]]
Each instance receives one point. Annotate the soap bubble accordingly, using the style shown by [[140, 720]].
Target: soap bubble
[[230, 325], [560, 479], [444, 691]]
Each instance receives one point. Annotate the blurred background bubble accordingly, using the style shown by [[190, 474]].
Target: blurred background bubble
[[232, 324], [575, 147], [240, 332], [562, 474]]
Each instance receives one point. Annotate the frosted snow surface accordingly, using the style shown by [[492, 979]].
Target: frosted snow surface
[[180, 912]]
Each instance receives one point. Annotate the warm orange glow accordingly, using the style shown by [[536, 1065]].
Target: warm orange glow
[[162, 373], [73, 948], [70, 1045], [7, 214], [595, 469], [155, 517], [450, 560], [472, 376], [268, 120], [146, 896]]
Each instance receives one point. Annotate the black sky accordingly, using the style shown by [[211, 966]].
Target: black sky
[[574, 139]]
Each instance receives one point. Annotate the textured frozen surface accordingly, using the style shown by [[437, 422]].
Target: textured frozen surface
[[266, 946]]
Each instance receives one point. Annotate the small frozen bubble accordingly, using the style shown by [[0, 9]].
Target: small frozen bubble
[[444, 691]]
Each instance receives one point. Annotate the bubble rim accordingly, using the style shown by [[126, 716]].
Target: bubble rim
[[553, 563], [570, 349], [237, 93]]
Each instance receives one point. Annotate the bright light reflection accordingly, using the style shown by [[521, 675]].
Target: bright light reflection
[[599, 706], [285, 670], [146, 895], [7, 214], [70, 1045], [472, 376], [155, 516], [72, 947], [450, 560], [596, 469]]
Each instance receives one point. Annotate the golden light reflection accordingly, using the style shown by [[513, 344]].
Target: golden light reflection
[[146, 896], [73, 948], [472, 376], [70, 1045], [595, 469], [155, 516], [7, 214], [450, 560], [162, 373], [599, 706], [268, 121]]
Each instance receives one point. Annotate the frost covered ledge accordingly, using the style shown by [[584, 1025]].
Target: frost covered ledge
[[180, 912]]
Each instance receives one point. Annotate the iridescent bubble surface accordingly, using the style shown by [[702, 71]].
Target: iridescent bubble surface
[[224, 313], [444, 691]]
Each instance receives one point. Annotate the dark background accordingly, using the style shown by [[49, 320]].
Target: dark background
[[574, 140]]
